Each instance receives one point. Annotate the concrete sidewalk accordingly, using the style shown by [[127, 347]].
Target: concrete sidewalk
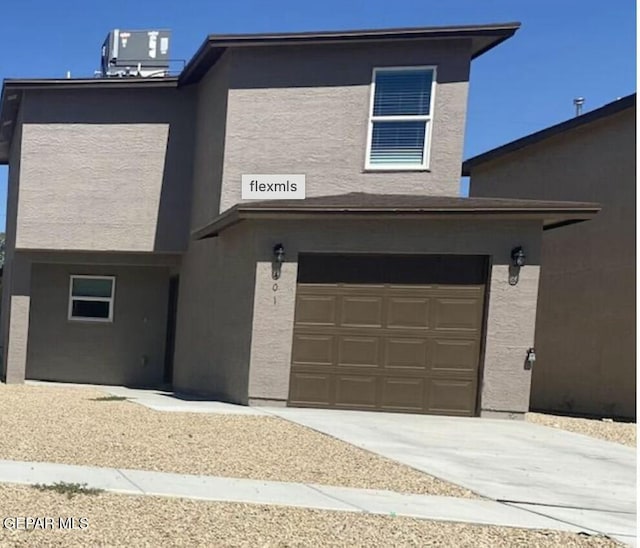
[[574, 482], [322, 497], [561, 475], [162, 400]]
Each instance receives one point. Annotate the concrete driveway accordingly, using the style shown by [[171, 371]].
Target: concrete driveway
[[569, 477]]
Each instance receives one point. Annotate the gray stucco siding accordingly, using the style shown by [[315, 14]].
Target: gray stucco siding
[[10, 239], [105, 170], [510, 314], [308, 108], [216, 287], [213, 340], [128, 351], [586, 327], [211, 133]]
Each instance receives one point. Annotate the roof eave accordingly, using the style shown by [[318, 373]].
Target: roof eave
[[604, 111], [211, 49], [16, 87], [101, 83], [551, 218]]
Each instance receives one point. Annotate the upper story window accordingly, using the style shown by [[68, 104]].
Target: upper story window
[[91, 298], [400, 118]]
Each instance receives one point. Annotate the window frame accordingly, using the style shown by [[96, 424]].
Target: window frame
[[428, 120], [72, 298]]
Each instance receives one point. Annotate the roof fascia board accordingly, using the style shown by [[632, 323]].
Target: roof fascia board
[[236, 215], [206, 54], [610, 109]]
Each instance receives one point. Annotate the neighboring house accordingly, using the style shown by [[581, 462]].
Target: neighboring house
[[131, 258], [586, 324]]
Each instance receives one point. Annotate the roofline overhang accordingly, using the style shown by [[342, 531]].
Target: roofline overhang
[[604, 111], [550, 217], [13, 90], [488, 36], [101, 83], [216, 44]]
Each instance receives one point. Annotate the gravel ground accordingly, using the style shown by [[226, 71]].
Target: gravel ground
[[119, 520], [67, 425], [619, 432]]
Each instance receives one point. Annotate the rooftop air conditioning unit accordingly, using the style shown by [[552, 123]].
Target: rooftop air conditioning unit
[[141, 53]]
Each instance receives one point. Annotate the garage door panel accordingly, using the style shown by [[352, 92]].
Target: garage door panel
[[406, 353], [457, 314], [403, 394], [400, 336], [407, 312], [451, 397], [358, 351], [316, 309], [459, 290], [454, 355], [311, 389], [313, 349], [356, 391], [359, 289], [361, 311]]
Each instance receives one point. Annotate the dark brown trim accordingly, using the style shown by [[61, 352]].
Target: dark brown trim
[[224, 221], [386, 33], [553, 217], [607, 110], [101, 83], [483, 337], [211, 49], [220, 225], [560, 224]]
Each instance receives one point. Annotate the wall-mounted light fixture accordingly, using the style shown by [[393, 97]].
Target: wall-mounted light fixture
[[531, 358], [518, 260], [518, 257], [278, 259]]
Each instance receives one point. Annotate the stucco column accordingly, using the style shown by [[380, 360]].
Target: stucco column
[[15, 347], [272, 340], [511, 323]]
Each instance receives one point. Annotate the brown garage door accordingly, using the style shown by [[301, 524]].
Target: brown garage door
[[388, 333]]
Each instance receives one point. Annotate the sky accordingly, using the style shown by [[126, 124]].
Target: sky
[[564, 49]]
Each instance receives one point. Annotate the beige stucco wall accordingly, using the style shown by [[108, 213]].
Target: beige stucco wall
[[216, 277], [129, 350], [215, 317], [105, 170], [10, 238], [586, 327], [511, 309], [43, 344], [210, 134], [305, 110], [18, 306]]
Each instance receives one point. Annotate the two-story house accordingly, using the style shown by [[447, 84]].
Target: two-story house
[[132, 259]]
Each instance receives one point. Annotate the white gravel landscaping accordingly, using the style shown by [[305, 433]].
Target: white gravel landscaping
[[609, 430], [74, 426], [119, 520]]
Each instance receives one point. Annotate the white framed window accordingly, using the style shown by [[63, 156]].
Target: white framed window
[[91, 298], [400, 118]]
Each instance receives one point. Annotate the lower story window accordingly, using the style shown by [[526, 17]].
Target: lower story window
[[91, 298]]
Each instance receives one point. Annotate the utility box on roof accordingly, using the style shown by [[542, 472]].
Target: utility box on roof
[[136, 53]]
